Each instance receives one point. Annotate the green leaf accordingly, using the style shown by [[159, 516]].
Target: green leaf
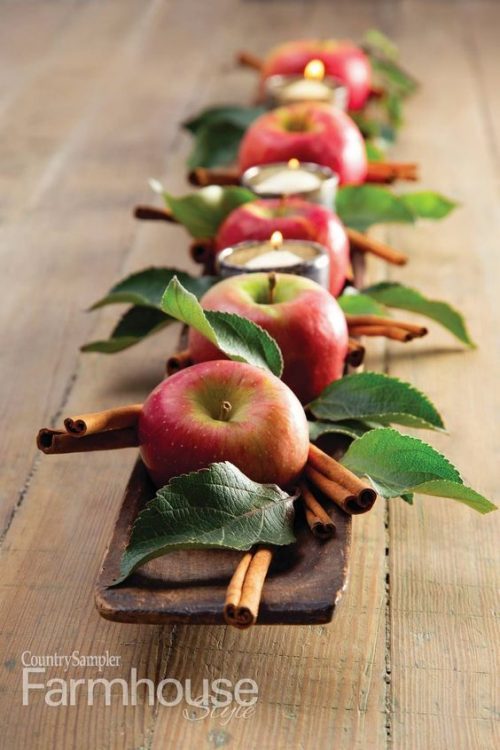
[[238, 338], [406, 298], [407, 497], [393, 78], [218, 132], [445, 488], [373, 152], [376, 397], [372, 127], [376, 40], [204, 211], [360, 304], [399, 464], [134, 326], [241, 117], [146, 287], [426, 204], [215, 508], [393, 104], [349, 428], [361, 206]]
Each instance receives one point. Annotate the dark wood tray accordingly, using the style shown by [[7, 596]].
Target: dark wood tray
[[303, 586]]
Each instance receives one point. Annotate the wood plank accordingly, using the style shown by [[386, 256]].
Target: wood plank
[[443, 561]]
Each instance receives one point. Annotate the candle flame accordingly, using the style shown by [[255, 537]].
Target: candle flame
[[314, 70], [293, 164], [276, 240]]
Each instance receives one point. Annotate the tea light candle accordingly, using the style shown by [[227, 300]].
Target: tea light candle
[[312, 182], [299, 257], [312, 86]]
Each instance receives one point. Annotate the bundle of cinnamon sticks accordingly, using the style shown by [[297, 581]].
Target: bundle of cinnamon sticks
[[97, 431], [390, 328], [325, 477], [378, 172]]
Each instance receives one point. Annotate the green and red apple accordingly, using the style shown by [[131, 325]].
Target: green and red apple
[[224, 411], [309, 132], [342, 60], [305, 320], [296, 219]]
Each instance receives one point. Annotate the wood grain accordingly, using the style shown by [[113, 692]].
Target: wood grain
[[91, 98]]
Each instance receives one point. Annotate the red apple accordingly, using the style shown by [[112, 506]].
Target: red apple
[[296, 219], [304, 318], [224, 411], [342, 59], [308, 132]]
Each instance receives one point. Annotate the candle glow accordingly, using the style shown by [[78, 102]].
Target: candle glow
[[314, 70], [276, 240], [293, 164]]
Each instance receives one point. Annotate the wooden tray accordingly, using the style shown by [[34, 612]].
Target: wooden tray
[[303, 586]]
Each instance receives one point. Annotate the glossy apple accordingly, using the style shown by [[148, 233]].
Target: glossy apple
[[304, 318], [342, 59], [185, 426], [308, 132], [296, 219]]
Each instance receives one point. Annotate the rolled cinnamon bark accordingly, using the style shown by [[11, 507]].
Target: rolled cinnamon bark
[[179, 361], [317, 518], [355, 353], [52, 442], [249, 60], [389, 332], [350, 502], [152, 213], [101, 421], [366, 244], [359, 495], [243, 595], [202, 177], [202, 251], [387, 172], [377, 320]]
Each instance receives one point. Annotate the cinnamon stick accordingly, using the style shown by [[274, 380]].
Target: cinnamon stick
[[202, 177], [317, 518], [244, 592], [355, 353], [365, 244], [179, 361], [101, 421], [52, 442], [152, 213], [376, 320], [389, 332], [202, 251], [351, 503], [249, 60], [387, 171], [377, 92], [329, 476]]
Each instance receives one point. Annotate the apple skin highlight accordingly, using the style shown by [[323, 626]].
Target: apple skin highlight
[[342, 59], [315, 133], [296, 219], [304, 319], [182, 428]]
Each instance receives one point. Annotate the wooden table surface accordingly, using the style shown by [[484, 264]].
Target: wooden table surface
[[91, 97]]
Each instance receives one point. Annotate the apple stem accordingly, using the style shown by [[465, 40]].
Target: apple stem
[[225, 411], [271, 277]]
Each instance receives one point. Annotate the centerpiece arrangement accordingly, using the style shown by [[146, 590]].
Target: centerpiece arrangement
[[265, 438]]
